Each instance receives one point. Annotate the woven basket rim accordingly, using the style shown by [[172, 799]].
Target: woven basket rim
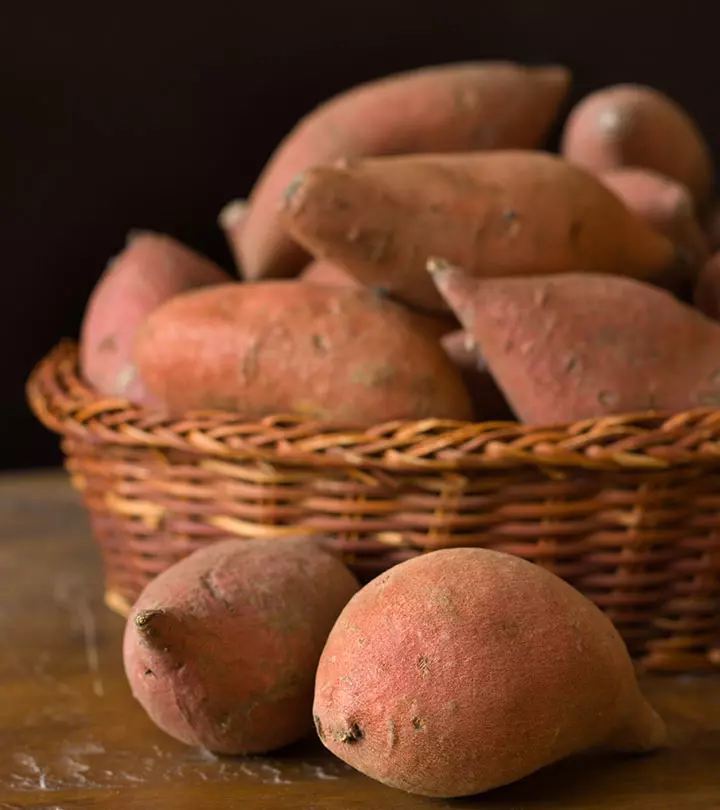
[[652, 440]]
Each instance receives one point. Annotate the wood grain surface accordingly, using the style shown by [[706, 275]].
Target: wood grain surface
[[71, 736]]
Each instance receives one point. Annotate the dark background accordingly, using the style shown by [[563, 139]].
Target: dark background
[[124, 115]]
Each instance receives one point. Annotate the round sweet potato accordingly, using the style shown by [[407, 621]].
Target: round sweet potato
[[289, 347], [151, 269], [633, 125], [221, 649], [465, 669]]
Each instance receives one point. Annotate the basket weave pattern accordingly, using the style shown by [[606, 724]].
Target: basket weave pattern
[[627, 509]]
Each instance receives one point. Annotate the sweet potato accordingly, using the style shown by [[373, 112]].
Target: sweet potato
[[450, 108], [496, 213], [633, 125], [340, 355], [666, 206], [466, 669], [221, 649], [232, 221], [565, 348], [488, 401], [706, 296], [151, 269]]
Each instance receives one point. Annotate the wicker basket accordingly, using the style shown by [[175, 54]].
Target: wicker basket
[[625, 508]]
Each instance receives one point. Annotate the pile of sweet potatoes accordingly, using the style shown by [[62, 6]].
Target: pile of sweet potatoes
[[412, 250]]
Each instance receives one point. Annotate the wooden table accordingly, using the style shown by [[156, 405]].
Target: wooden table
[[71, 736]]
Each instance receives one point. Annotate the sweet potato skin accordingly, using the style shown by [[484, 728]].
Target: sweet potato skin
[[221, 649], [572, 347], [465, 669], [448, 108], [634, 125], [665, 205], [344, 356], [151, 269], [495, 213]]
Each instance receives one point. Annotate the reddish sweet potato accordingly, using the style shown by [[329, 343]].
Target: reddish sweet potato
[[666, 206], [232, 221], [151, 269], [488, 401], [496, 213], [711, 227], [565, 348], [221, 649], [340, 355], [466, 669], [632, 125], [451, 108]]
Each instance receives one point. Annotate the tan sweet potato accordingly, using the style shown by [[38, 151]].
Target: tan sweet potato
[[467, 669], [151, 269], [665, 205], [565, 348], [232, 221], [340, 355], [706, 295], [633, 125], [221, 649], [488, 401], [450, 108], [497, 213]]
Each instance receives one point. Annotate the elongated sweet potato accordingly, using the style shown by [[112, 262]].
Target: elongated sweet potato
[[232, 221], [151, 269], [449, 108], [221, 648], [633, 125], [664, 204], [496, 213], [565, 348], [340, 355], [467, 669]]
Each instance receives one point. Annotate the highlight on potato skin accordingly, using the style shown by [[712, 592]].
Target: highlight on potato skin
[[446, 108]]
